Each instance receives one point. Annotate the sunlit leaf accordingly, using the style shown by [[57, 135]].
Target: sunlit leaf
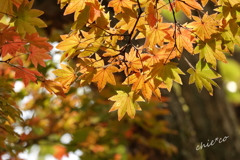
[[126, 102]]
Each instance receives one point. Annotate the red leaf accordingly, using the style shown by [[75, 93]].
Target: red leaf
[[12, 47], [37, 56], [26, 74], [40, 42]]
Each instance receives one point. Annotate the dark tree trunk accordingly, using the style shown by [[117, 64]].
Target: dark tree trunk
[[179, 120], [213, 117]]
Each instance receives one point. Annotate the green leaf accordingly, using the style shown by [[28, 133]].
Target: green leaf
[[26, 18], [167, 73], [211, 50], [203, 76], [230, 35]]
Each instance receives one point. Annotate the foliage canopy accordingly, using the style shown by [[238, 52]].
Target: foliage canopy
[[133, 40]]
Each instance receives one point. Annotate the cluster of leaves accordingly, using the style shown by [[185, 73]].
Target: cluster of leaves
[[22, 50], [9, 114], [106, 45], [103, 48], [23, 53]]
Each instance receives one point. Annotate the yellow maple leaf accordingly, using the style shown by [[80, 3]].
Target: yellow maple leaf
[[126, 102], [186, 6], [66, 76], [118, 4]]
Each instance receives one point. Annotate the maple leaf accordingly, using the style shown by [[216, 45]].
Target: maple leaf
[[38, 55], [53, 87], [74, 45], [69, 45], [40, 42], [26, 18], [184, 39], [87, 76], [230, 34], [156, 35], [133, 62], [111, 51], [126, 102], [186, 6], [12, 47], [151, 15], [26, 74], [66, 76], [166, 73], [158, 54], [211, 50], [104, 75], [128, 20], [118, 4], [204, 27], [82, 18], [87, 70], [95, 11], [140, 82], [7, 33], [203, 76], [73, 6]]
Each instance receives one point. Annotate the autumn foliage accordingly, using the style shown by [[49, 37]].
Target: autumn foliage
[[134, 41]]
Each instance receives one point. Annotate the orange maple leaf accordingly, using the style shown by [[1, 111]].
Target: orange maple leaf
[[38, 55], [156, 35], [95, 11], [118, 4], [151, 15], [157, 54], [104, 75], [204, 27], [53, 87], [184, 39], [186, 6], [140, 82]]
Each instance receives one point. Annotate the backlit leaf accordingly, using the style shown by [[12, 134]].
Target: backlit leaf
[[66, 76], [53, 87], [26, 18], [203, 76], [38, 55], [26, 74], [126, 102]]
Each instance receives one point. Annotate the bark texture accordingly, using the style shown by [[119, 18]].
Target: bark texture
[[185, 140]]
